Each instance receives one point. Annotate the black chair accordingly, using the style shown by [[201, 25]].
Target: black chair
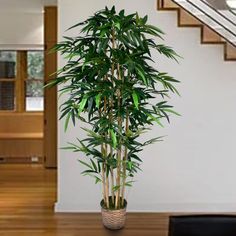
[[202, 225]]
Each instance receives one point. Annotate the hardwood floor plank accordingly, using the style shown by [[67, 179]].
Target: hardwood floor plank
[[27, 197]]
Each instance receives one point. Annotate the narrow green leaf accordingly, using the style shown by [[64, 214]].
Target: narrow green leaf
[[78, 24], [114, 139], [135, 99], [129, 183], [98, 100], [97, 180], [88, 172], [94, 165], [171, 111], [117, 25], [86, 164], [155, 119], [140, 72], [67, 121], [82, 104], [153, 140], [122, 12], [130, 165], [115, 188], [155, 29], [145, 18]]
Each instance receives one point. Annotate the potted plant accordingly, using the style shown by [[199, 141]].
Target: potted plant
[[111, 86]]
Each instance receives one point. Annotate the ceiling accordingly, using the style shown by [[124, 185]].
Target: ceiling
[[218, 4]]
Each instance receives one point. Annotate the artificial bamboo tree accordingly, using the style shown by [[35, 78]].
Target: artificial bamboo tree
[[114, 88]]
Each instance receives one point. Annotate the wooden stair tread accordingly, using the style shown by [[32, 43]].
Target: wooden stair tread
[[210, 36], [230, 53], [187, 20], [168, 4]]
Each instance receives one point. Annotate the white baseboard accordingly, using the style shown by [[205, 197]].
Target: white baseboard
[[160, 208]]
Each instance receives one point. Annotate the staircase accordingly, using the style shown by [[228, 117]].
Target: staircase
[[217, 26]]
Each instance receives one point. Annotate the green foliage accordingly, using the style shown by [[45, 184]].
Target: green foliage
[[112, 86], [35, 67], [35, 61]]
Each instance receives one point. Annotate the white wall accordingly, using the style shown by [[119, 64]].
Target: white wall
[[194, 168], [21, 24]]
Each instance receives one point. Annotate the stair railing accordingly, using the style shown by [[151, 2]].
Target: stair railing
[[220, 13], [228, 34], [233, 12]]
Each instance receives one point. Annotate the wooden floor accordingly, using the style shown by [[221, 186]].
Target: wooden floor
[[27, 196]]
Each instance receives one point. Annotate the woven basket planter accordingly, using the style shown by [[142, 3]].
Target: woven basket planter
[[113, 219]]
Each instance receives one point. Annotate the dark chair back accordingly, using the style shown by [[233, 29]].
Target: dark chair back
[[202, 225]]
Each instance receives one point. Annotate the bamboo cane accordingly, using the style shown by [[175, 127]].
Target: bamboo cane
[[124, 160], [119, 152]]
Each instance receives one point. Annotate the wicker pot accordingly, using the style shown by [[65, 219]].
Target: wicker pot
[[114, 219]]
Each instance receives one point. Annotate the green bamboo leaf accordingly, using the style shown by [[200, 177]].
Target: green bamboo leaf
[[129, 183], [94, 165], [155, 29], [102, 33], [122, 13], [97, 180], [137, 18], [88, 172], [98, 100], [130, 165], [135, 99], [82, 104], [117, 25], [114, 139], [86, 164], [115, 188], [78, 24], [68, 148], [144, 19], [136, 157], [133, 38], [153, 140], [139, 40], [67, 121], [171, 111], [155, 119], [140, 72]]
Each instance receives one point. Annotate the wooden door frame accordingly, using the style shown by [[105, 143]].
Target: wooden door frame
[[50, 96]]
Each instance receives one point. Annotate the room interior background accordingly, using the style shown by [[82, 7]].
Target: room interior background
[[194, 168]]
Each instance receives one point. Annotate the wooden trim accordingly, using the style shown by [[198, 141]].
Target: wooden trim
[[20, 160], [209, 36], [20, 81], [7, 80], [2, 112], [229, 52], [24, 135], [25, 113], [22, 148], [50, 101], [162, 7]]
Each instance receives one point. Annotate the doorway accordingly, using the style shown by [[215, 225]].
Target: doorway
[[28, 113], [28, 129]]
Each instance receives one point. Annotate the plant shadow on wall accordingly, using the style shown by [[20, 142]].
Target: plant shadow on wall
[[111, 87]]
